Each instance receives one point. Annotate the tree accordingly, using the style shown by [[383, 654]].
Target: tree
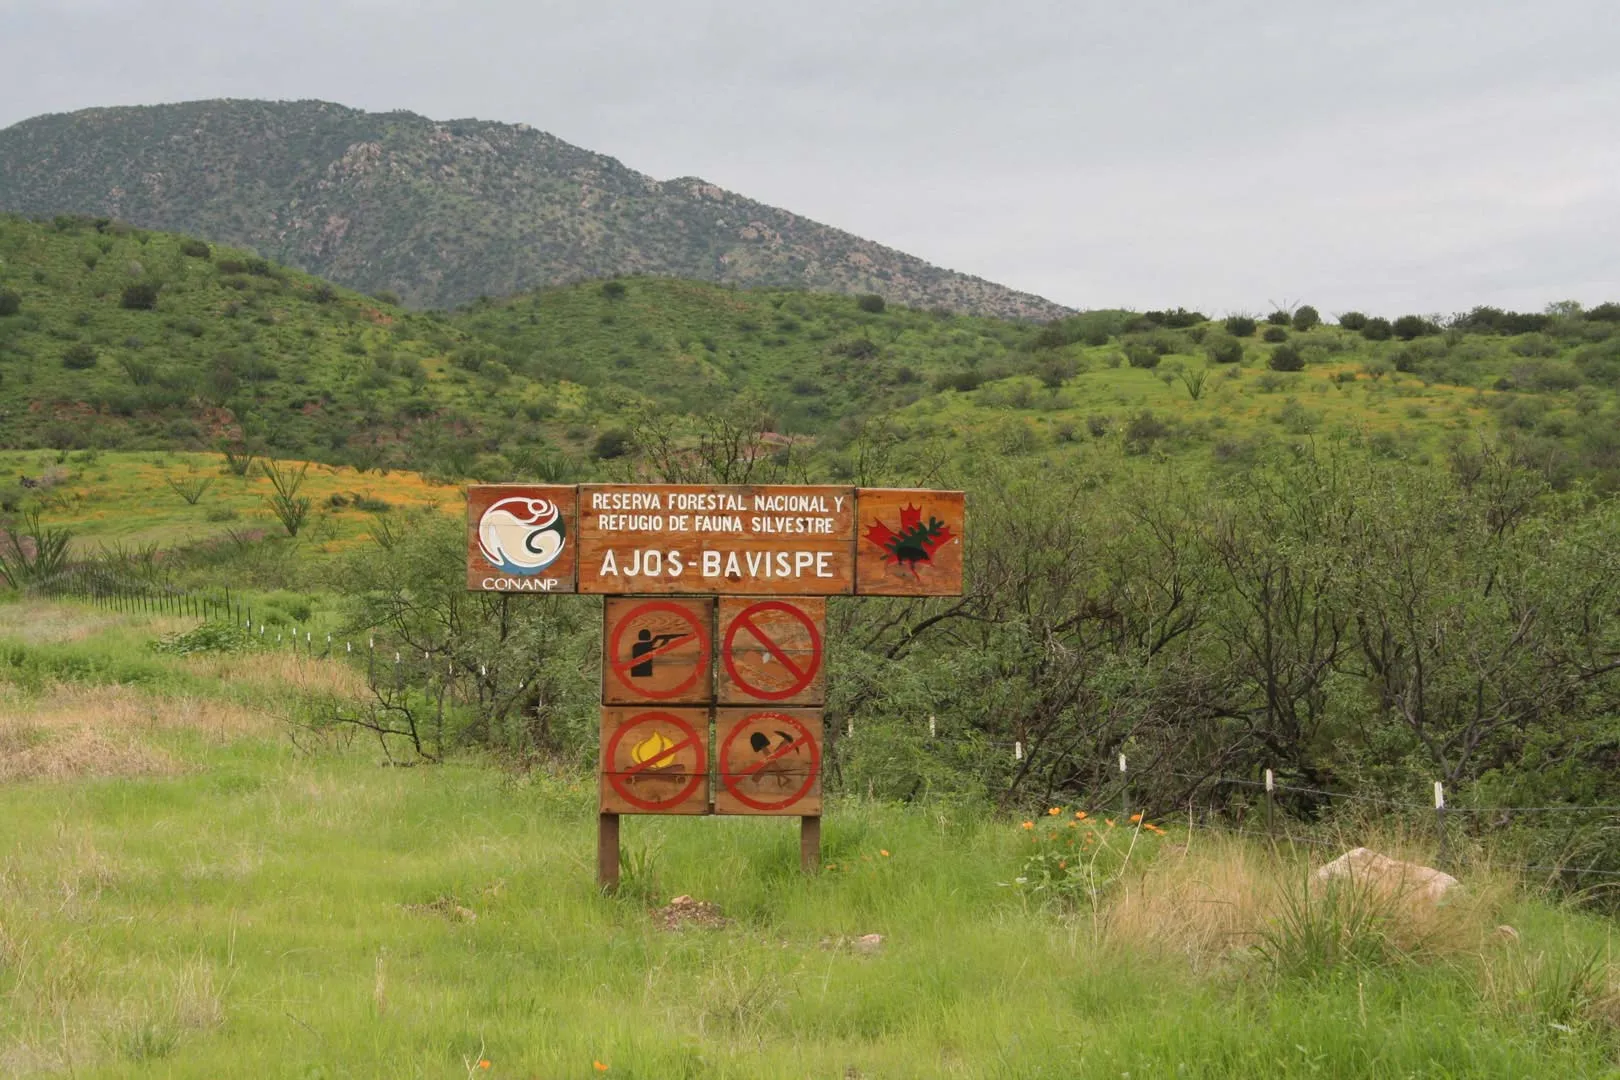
[[872, 302], [1306, 318], [1377, 329], [1240, 326], [1279, 318], [197, 249], [139, 296], [1353, 320], [613, 443], [1408, 327]]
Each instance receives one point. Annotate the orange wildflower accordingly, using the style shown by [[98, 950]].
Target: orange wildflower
[[598, 1066], [1055, 811], [1029, 824], [1110, 822], [1135, 818], [883, 853], [1079, 815], [484, 1064]]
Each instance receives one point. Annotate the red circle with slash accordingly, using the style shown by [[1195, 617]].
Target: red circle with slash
[[734, 780], [620, 781], [619, 667], [745, 620]]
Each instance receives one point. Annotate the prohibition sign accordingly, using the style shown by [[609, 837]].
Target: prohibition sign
[[745, 621], [620, 781], [620, 665], [734, 780]]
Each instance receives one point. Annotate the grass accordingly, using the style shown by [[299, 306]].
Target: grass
[[252, 907]]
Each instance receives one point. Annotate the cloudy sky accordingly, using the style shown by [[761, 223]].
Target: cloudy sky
[[1415, 155]]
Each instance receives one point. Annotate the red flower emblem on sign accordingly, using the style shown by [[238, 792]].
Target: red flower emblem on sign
[[915, 542]]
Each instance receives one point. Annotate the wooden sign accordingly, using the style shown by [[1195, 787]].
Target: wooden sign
[[655, 761], [771, 651], [684, 538], [521, 538], [657, 650], [910, 542], [769, 761]]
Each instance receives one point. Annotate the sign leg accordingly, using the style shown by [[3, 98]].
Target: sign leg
[[607, 852], [810, 844]]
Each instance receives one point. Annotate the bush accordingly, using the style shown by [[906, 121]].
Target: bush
[[1239, 326], [1353, 320], [196, 249], [139, 296], [1279, 318], [10, 303], [871, 302], [79, 357], [1377, 329], [614, 290], [1141, 355], [1286, 358], [612, 443], [1223, 349], [1275, 334], [1306, 318], [1408, 327]]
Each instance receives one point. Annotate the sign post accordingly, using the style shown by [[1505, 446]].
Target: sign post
[[714, 624]]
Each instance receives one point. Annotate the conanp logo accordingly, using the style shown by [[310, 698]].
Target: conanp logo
[[522, 535]]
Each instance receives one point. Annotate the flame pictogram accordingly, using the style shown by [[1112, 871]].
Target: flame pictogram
[[651, 747]]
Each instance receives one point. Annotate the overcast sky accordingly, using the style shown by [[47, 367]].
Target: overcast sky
[[1398, 156]]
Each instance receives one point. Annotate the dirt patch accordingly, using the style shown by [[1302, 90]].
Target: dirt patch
[[683, 911]]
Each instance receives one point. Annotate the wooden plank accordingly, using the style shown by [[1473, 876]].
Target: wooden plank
[[654, 760], [657, 649], [739, 540], [910, 542], [771, 650], [810, 843], [607, 852], [522, 538], [769, 761]]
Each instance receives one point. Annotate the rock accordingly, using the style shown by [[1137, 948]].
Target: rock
[[1409, 880], [869, 943], [679, 900]]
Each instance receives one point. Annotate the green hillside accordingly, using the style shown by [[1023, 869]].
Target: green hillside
[[441, 213], [548, 383]]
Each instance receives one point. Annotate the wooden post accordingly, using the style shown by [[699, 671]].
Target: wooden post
[[810, 843], [1440, 822], [607, 852], [1271, 810]]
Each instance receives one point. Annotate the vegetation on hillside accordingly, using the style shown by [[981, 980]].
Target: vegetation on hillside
[[441, 213]]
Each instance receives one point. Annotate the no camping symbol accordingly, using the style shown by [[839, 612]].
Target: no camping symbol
[[770, 762], [771, 650]]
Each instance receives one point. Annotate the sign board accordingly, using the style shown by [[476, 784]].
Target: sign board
[[771, 651], [685, 538], [769, 761], [521, 538], [910, 542], [655, 760], [657, 649]]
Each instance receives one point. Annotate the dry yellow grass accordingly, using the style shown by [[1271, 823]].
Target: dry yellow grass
[[83, 731], [39, 622], [281, 671]]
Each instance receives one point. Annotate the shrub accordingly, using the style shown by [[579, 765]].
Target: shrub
[[139, 296], [1605, 312], [79, 357], [386, 296], [1408, 327], [1377, 329], [1286, 358], [1353, 320], [1141, 355], [1306, 318], [1239, 326], [10, 303], [612, 443], [1274, 334], [614, 290], [196, 249], [1223, 349], [871, 302], [1279, 318], [1143, 430]]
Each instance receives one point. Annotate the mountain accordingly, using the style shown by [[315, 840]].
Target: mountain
[[439, 213]]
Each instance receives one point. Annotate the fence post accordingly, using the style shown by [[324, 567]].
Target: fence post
[[1270, 809], [1124, 790], [1440, 820]]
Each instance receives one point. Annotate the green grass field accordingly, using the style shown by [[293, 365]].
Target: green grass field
[[188, 890]]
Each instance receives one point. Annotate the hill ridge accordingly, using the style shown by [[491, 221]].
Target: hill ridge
[[440, 212]]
